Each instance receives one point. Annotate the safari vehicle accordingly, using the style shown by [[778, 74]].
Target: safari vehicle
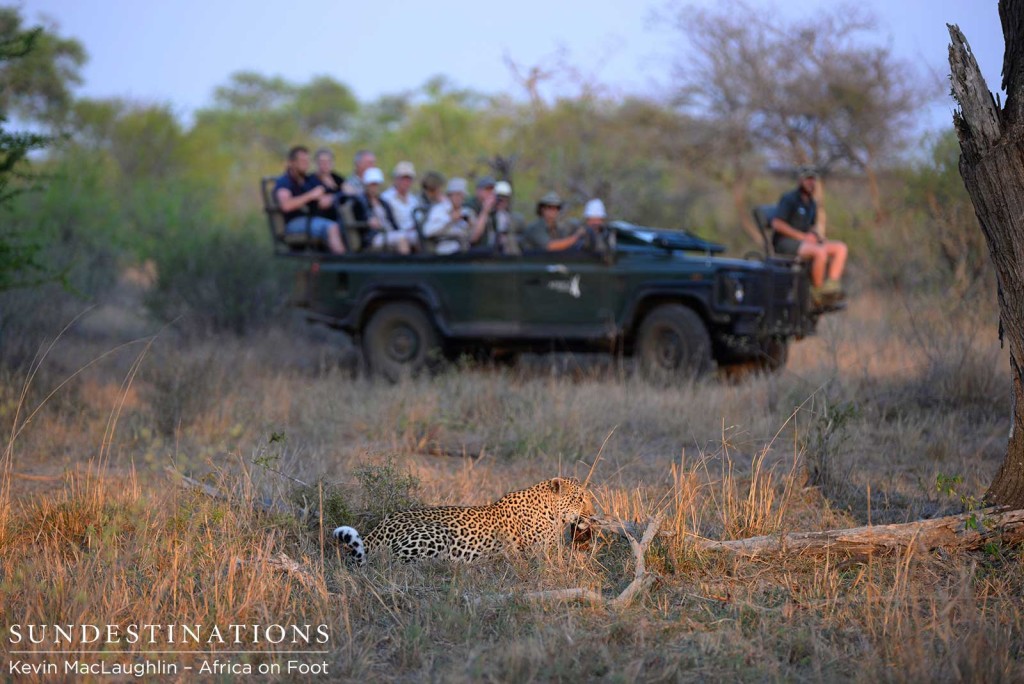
[[664, 297]]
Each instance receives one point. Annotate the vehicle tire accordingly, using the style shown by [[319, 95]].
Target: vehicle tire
[[400, 341], [672, 344]]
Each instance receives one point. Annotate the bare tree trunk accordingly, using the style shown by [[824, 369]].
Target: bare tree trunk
[[992, 166], [738, 189]]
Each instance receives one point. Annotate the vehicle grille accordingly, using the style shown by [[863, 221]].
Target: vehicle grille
[[783, 311]]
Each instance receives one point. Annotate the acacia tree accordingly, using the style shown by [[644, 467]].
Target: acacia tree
[[992, 167], [787, 93]]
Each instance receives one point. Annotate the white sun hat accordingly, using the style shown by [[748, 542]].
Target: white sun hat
[[373, 175], [594, 209]]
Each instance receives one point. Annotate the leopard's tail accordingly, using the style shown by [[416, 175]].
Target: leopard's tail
[[349, 539]]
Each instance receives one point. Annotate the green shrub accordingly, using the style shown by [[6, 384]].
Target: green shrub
[[181, 387], [387, 488], [322, 498], [213, 279]]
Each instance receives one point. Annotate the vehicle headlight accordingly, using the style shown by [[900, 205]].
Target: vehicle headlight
[[732, 289]]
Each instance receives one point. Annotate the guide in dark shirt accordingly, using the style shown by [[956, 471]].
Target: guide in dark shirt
[[800, 211]]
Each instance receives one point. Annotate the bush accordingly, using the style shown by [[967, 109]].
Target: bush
[[213, 279], [387, 489], [932, 241], [182, 387], [325, 499], [71, 219]]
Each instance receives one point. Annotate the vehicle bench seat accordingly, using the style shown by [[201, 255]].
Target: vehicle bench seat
[[287, 243]]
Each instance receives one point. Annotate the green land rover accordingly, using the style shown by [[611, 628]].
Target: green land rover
[[662, 296]]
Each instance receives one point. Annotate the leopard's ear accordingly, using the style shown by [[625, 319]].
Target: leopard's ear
[[556, 484]]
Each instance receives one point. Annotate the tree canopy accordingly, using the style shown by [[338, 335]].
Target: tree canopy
[[37, 68]]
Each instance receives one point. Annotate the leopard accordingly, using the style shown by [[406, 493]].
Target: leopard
[[518, 520]]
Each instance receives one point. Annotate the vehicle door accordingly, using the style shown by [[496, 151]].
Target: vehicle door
[[479, 295], [570, 295]]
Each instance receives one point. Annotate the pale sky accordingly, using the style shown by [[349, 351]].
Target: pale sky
[[178, 51]]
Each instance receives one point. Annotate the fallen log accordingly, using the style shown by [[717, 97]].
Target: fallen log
[[954, 532]]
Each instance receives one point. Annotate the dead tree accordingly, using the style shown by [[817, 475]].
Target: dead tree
[[992, 166]]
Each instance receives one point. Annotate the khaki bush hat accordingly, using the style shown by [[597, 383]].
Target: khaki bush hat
[[404, 169]]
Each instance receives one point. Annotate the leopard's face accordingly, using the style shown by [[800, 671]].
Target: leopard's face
[[571, 500], [557, 501]]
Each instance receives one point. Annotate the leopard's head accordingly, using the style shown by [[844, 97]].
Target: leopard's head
[[571, 500]]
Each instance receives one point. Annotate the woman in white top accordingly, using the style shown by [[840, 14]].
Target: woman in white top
[[448, 222]]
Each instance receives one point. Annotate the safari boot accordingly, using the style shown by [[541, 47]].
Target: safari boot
[[832, 289]]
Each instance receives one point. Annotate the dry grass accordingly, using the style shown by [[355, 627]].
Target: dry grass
[[887, 397]]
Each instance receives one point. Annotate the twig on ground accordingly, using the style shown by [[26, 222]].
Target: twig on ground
[[641, 578], [284, 563], [191, 483]]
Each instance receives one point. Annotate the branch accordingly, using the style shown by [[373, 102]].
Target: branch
[[209, 490], [641, 578], [284, 563], [978, 121], [623, 527], [575, 594], [191, 483]]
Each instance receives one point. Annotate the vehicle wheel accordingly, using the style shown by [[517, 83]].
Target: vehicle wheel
[[673, 343], [400, 341], [774, 354]]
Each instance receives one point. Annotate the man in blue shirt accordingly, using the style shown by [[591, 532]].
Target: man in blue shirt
[[297, 194], [796, 230]]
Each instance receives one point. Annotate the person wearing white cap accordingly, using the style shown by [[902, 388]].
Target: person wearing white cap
[[508, 224], [599, 237], [461, 212], [502, 229], [594, 210], [400, 196], [378, 215], [446, 227]]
